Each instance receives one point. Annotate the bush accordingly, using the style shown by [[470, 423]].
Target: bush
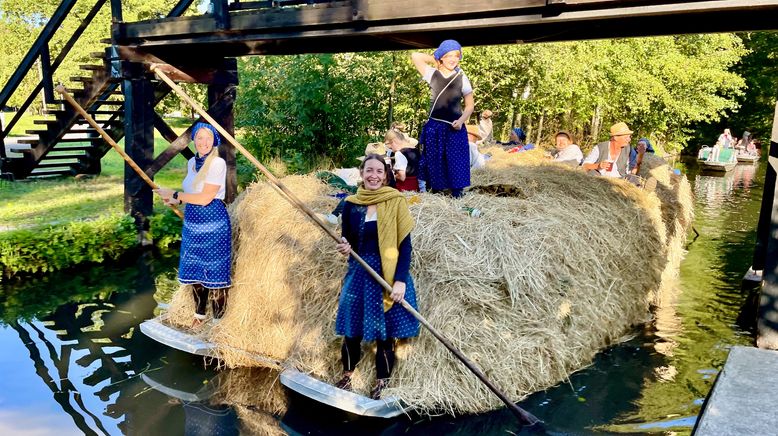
[[58, 247]]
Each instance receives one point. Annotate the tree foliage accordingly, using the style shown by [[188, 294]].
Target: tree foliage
[[309, 109]]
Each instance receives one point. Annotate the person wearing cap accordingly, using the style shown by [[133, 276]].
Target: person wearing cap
[[485, 127], [611, 158], [477, 160], [636, 154], [206, 239], [445, 160], [565, 150], [405, 157]]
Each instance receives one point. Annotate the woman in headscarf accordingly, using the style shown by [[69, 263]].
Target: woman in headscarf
[[445, 160], [206, 240], [377, 225], [636, 154]]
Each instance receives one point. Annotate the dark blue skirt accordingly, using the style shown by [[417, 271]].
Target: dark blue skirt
[[361, 306], [445, 160], [206, 246]]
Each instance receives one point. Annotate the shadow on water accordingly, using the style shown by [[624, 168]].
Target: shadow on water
[[75, 362]]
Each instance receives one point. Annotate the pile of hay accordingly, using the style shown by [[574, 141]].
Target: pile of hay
[[559, 265]]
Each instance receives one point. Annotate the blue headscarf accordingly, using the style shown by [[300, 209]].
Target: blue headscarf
[[520, 134], [216, 137], [445, 47], [649, 148]]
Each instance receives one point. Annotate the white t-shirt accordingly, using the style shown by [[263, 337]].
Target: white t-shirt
[[217, 175], [594, 155], [400, 161], [476, 158], [571, 152], [467, 88]]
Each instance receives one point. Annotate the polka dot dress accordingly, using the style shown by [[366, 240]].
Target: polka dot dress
[[361, 308], [206, 246], [445, 161]]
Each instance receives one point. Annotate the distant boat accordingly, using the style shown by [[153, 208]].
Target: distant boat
[[747, 158], [714, 159]]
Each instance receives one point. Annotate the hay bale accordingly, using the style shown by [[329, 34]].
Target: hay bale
[[560, 265]]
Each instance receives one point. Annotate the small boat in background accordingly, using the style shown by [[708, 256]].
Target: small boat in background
[[718, 160]]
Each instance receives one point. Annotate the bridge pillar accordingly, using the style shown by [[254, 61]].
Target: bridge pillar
[[227, 120], [767, 251], [139, 145]]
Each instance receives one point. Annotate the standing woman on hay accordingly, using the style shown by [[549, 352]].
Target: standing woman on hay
[[206, 240], [377, 225], [445, 160]]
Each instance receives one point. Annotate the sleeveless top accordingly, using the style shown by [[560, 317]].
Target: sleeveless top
[[446, 96]]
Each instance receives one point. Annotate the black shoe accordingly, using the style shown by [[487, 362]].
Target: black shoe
[[380, 385], [344, 383]]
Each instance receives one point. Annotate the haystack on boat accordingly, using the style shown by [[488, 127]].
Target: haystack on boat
[[559, 266]]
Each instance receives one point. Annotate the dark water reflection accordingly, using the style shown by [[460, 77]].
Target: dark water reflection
[[74, 362]]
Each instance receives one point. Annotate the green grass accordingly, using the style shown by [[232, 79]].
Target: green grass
[[30, 203], [25, 123]]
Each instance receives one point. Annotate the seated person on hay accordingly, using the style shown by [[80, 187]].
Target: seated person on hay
[[377, 224], [516, 141], [636, 154], [566, 151], [611, 158], [403, 152], [477, 160]]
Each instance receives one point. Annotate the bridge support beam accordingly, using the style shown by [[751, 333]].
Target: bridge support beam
[[226, 94], [139, 145], [767, 251]]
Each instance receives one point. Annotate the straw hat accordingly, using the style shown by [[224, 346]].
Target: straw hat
[[374, 148], [473, 130], [620, 129]]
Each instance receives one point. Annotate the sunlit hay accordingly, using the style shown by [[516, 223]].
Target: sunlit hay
[[263, 315], [257, 422], [677, 201], [559, 265], [257, 388], [501, 158]]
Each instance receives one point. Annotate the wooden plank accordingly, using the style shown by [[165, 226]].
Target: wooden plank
[[699, 16]]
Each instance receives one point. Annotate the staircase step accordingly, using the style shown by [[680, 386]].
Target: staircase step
[[36, 141], [97, 55], [106, 41], [80, 79], [109, 103], [90, 67], [69, 148], [65, 171], [50, 157], [55, 164], [115, 112], [47, 122]]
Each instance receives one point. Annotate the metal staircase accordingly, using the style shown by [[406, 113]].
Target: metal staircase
[[66, 144]]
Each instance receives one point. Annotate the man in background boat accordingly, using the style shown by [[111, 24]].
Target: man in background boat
[[725, 139], [611, 158], [565, 150]]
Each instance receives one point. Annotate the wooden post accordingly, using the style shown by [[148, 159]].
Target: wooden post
[[227, 120], [763, 226], [767, 318], [139, 145]]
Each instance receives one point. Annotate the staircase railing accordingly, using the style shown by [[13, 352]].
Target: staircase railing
[[40, 49]]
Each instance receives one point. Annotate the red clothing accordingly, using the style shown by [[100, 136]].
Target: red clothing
[[411, 183]]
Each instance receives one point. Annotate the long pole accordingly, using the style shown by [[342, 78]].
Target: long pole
[[61, 89], [524, 417]]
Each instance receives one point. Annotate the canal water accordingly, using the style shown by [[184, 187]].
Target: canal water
[[73, 361]]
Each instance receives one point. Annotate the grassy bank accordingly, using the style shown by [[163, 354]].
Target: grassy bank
[[52, 224]]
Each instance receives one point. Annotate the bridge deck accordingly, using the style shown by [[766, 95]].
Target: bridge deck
[[374, 25]]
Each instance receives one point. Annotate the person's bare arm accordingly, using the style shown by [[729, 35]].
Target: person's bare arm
[[422, 61]]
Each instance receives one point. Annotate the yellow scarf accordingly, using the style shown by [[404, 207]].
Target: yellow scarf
[[394, 224]]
